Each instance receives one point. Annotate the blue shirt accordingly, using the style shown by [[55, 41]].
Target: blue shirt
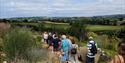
[[65, 46]]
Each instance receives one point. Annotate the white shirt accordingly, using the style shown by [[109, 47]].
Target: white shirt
[[45, 36]]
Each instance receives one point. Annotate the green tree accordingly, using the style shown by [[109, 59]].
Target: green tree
[[39, 27], [78, 29]]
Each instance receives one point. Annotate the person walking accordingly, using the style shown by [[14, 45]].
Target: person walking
[[65, 46], [120, 57], [55, 43], [73, 52], [50, 39], [92, 50], [45, 37], [70, 42]]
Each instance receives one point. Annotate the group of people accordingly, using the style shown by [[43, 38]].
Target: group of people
[[66, 45], [68, 48]]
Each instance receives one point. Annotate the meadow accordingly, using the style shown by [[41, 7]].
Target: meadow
[[66, 26]]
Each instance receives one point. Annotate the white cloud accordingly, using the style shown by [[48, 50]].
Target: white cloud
[[54, 7]]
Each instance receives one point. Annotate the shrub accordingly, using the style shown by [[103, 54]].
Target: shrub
[[109, 42], [91, 34], [17, 42], [37, 55], [121, 33], [39, 27], [38, 41]]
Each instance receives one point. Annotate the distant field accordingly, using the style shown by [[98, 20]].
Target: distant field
[[66, 25], [102, 27], [57, 25], [89, 27]]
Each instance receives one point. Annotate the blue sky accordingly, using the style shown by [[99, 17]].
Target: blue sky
[[24, 8]]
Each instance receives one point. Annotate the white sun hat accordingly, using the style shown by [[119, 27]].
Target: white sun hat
[[64, 36]]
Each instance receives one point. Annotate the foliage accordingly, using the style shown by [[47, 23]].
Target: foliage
[[1, 44], [78, 29], [91, 34], [108, 42], [39, 27], [82, 44], [37, 55], [17, 42], [121, 33], [38, 40]]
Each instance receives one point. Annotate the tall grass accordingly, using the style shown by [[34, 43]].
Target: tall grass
[[17, 43]]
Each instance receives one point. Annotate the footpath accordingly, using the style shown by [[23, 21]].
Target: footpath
[[55, 58]]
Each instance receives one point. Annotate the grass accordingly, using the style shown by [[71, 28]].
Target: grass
[[103, 27], [82, 44], [61, 26], [65, 26], [110, 53]]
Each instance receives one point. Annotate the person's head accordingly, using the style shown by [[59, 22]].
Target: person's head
[[45, 32], [54, 33], [121, 48], [90, 38], [63, 36], [72, 40], [50, 33], [55, 37]]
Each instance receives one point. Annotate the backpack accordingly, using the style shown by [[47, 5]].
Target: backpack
[[73, 50], [94, 49]]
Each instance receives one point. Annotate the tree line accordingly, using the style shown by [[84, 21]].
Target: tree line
[[95, 20]]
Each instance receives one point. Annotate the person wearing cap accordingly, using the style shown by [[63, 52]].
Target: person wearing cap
[[65, 46], [92, 50]]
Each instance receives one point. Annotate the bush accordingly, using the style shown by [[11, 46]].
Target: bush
[[17, 42], [91, 34], [109, 42], [39, 27], [121, 33], [37, 55], [38, 41]]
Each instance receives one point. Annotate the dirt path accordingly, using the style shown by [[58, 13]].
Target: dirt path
[[52, 58]]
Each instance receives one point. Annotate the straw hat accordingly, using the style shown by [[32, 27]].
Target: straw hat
[[90, 37]]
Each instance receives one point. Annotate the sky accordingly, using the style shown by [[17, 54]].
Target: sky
[[60, 8]]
